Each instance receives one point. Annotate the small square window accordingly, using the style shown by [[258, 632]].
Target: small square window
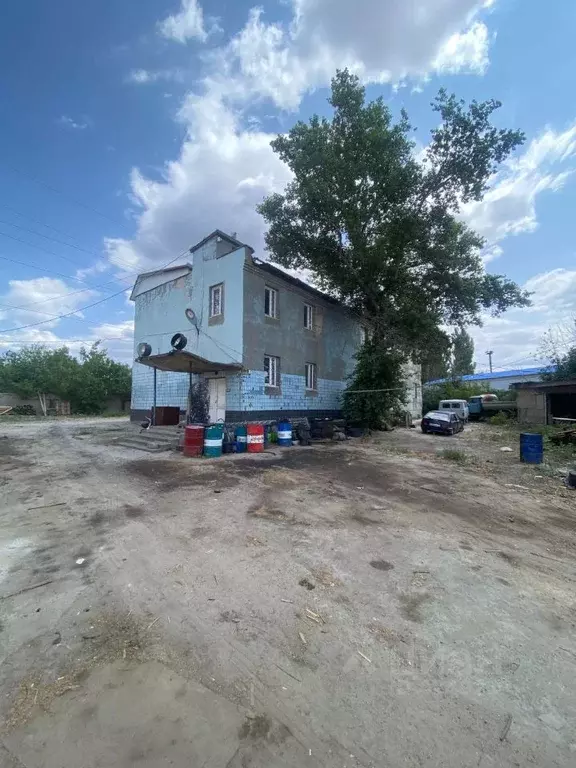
[[311, 379], [270, 302], [309, 317], [271, 371], [216, 300]]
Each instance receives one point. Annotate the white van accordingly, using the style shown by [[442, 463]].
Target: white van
[[459, 407]]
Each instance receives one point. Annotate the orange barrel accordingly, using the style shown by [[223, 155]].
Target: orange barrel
[[255, 438], [194, 440]]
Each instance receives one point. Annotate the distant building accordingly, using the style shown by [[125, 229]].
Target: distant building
[[269, 345], [548, 402], [500, 379]]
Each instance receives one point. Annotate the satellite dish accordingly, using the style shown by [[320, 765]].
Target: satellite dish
[[178, 341], [144, 349], [191, 316]]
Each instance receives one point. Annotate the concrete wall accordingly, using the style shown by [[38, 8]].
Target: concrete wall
[[160, 314], [331, 345], [413, 380], [9, 398], [531, 407]]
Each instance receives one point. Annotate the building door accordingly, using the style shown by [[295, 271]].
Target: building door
[[217, 395]]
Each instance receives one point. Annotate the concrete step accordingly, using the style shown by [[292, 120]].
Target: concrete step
[[145, 444]]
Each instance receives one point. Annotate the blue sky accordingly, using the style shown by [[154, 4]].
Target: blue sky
[[129, 130]]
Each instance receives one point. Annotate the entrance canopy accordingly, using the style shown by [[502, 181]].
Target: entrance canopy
[[185, 362]]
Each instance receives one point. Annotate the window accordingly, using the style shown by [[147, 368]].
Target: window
[[309, 317], [270, 302], [216, 303], [311, 381], [271, 371]]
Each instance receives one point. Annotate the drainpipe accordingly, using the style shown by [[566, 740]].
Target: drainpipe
[[154, 406]]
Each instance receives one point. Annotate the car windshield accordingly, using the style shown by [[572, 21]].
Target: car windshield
[[438, 416]]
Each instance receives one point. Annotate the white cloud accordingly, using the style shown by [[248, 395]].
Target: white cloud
[[146, 76], [223, 169], [465, 51], [516, 337], [402, 40], [32, 301], [509, 207], [187, 24], [76, 125], [222, 172], [95, 269]]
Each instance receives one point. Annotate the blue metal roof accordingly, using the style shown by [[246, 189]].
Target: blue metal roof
[[514, 373]]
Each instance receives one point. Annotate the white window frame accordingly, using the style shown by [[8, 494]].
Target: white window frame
[[272, 302], [272, 371], [311, 375], [309, 313], [216, 290]]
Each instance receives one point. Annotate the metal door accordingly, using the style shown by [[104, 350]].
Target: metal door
[[217, 395]]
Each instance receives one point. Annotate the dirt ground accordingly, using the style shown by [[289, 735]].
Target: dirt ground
[[372, 603]]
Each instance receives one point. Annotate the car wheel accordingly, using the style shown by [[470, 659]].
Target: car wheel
[[424, 431], [450, 432]]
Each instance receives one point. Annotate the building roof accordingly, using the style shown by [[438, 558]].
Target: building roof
[[280, 273], [224, 236], [487, 376], [546, 385]]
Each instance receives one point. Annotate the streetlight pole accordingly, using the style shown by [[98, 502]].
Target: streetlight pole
[[490, 353]]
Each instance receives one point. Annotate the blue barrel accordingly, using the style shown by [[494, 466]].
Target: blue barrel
[[284, 434], [531, 448], [213, 436], [241, 435]]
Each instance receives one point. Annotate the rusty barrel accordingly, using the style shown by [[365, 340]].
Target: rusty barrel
[[255, 438], [193, 440]]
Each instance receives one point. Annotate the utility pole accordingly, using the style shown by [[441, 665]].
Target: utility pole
[[490, 353]]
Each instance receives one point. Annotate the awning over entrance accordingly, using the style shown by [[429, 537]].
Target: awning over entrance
[[185, 362]]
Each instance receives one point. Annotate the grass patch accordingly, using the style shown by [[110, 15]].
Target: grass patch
[[453, 454]]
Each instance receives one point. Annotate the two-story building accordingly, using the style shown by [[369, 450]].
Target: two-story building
[[270, 345]]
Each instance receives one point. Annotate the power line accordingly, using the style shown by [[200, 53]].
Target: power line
[[88, 306], [72, 199], [60, 317], [54, 229]]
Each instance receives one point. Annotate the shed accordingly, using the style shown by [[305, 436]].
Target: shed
[[546, 402]]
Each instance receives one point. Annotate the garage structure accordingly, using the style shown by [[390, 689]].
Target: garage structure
[[547, 402]]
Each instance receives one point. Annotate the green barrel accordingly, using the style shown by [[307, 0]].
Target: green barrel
[[213, 437]]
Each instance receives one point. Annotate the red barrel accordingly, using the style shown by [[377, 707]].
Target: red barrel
[[194, 440], [255, 438]]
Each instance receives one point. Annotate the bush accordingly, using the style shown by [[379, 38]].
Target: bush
[[453, 454], [500, 419]]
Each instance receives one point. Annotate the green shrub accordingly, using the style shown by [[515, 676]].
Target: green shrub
[[453, 454], [500, 419]]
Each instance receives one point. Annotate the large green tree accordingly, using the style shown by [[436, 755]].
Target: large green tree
[[87, 382], [462, 354], [378, 227]]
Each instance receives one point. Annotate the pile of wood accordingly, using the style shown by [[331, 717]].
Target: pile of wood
[[564, 438]]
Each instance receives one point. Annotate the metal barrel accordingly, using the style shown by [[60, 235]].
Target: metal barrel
[[284, 434], [241, 436], [213, 436], [531, 448], [193, 440], [255, 436]]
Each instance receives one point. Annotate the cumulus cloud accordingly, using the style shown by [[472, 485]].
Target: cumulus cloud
[[36, 300], [465, 52], [72, 124], [516, 337], [509, 207], [224, 169], [222, 172], [185, 25], [147, 76]]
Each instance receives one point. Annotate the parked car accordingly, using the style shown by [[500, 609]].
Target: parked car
[[442, 422], [459, 407]]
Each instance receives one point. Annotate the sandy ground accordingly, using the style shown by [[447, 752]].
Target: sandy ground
[[359, 604]]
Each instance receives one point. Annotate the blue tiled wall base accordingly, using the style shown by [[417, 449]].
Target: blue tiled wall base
[[172, 388], [246, 392]]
